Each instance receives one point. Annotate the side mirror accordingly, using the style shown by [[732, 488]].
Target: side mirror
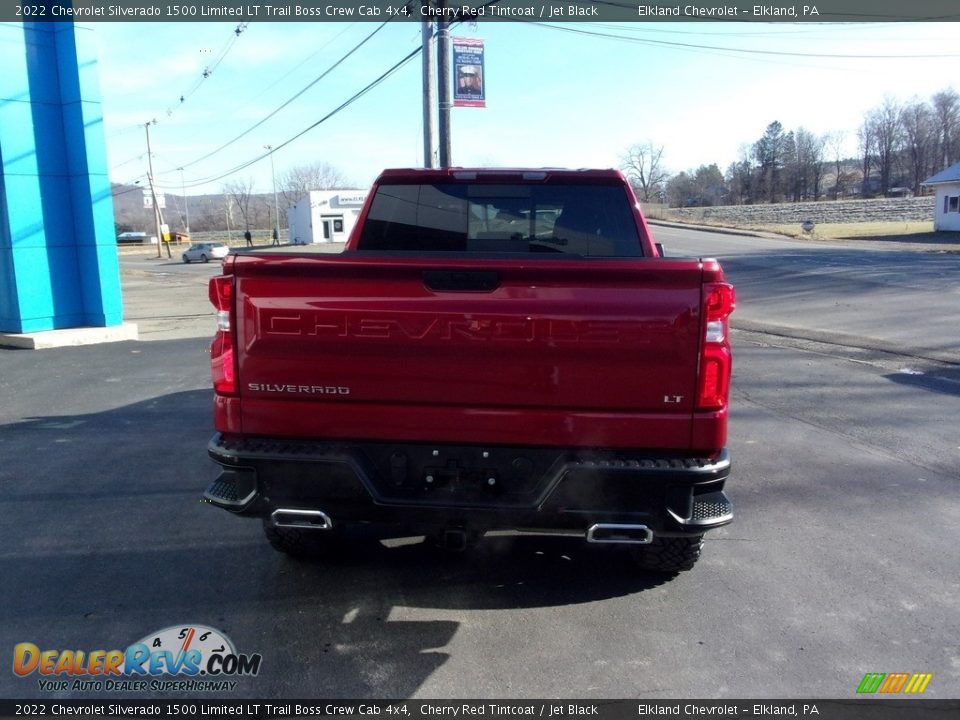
[[660, 249]]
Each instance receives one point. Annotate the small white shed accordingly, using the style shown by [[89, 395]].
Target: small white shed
[[947, 210], [324, 216]]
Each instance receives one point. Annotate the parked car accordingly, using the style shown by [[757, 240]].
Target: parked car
[[203, 252], [139, 238]]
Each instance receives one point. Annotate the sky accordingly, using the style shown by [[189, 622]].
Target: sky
[[704, 91]]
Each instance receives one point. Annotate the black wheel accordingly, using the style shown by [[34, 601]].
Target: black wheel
[[186, 259], [205, 258], [303, 543], [668, 554]]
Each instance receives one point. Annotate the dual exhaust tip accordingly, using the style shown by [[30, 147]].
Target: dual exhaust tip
[[301, 519], [613, 533], [608, 533]]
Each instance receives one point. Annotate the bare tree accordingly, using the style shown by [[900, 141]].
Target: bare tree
[[833, 144], [641, 165], [240, 191], [920, 140], [866, 139], [740, 178], [680, 190], [946, 108], [888, 134], [299, 180]]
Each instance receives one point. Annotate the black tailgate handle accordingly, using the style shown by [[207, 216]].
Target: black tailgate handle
[[461, 280]]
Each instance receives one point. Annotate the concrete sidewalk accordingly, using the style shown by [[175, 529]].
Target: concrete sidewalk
[[168, 301]]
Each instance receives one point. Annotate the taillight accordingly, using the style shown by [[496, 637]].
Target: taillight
[[719, 300], [222, 353]]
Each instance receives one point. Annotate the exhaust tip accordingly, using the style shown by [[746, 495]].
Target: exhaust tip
[[620, 534], [304, 519]]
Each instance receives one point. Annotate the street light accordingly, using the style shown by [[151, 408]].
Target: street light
[[276, 205]]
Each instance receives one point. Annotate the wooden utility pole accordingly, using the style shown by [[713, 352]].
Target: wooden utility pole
[[446, 90], [153, 192], [429, 88]]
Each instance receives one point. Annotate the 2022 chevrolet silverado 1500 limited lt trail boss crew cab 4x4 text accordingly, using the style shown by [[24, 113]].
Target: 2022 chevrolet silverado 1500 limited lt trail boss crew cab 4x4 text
[[493, 350]]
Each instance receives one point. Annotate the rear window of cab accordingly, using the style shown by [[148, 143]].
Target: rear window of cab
[[574, 219]]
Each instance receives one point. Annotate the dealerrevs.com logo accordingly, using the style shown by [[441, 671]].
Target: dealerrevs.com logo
[[201, 658]]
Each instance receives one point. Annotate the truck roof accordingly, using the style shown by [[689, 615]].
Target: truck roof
[[467, 173]]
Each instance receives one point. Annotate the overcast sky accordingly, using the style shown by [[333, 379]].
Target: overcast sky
[[554, 97]]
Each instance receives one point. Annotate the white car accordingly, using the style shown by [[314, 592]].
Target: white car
[[205, 251]]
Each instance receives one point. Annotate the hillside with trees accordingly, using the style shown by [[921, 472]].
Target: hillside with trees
[[899, 144]]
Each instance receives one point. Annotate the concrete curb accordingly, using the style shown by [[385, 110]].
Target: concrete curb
[[719, 230], [947, 245], [69, 337]]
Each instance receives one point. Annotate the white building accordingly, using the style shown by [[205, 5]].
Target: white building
[[947, 210], [323, 216]]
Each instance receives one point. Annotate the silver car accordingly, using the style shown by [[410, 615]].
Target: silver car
[[203, 252]]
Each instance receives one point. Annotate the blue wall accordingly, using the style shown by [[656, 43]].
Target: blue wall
[[58, 255]]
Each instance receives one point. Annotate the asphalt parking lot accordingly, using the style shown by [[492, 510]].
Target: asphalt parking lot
[[841, 560]]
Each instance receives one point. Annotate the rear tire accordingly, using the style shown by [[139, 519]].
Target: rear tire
[[668, 554], [204, 258]]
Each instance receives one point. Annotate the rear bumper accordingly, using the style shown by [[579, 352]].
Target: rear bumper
[[486, 488]]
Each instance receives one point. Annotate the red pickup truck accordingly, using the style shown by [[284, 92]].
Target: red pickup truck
[[493, 350]]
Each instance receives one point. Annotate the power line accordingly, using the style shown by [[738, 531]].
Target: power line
[[749, 51], [300, 64], [207, 73], [285, 104], [356, 96], [210, 69]]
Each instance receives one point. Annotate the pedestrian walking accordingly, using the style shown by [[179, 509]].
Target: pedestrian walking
[[248, 237], [276, 237]]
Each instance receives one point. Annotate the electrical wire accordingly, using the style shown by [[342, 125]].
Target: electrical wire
[[356, 96], [207, 73], [210, 69], [285, 104], [204, 181], [748, 51], [300, 64]]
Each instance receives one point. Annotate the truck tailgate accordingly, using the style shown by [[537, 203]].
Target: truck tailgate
[[595, 353]]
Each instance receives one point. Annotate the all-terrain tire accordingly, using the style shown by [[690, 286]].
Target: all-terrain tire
[[668, 554]]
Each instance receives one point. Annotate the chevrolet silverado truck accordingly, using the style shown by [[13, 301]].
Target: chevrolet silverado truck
[[494, 350]]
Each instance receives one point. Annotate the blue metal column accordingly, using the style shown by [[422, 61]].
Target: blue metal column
[[58, 256]]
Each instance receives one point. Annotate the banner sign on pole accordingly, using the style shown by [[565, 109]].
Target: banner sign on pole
[[468, 79]]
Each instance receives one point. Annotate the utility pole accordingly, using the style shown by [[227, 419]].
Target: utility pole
[[429, 88], [153, 192], [186, 205], [276, 205], [443, 79]]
